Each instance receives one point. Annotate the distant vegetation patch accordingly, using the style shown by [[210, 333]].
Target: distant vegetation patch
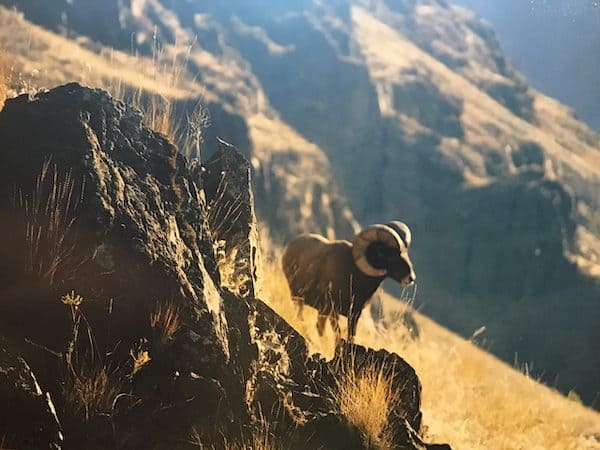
[[4, 71]]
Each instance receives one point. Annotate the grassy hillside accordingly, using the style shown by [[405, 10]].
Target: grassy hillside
[[471, 399]]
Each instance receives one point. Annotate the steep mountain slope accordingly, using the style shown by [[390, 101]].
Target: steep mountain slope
[[555, 43], [413, 108]]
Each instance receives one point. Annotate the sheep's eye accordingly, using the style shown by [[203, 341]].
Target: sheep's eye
[[394, 257], [378, 255]]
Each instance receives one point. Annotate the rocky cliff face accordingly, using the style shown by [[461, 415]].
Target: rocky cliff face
[[114, 298], [412, 111]]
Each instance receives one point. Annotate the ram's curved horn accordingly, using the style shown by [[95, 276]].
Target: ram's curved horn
[[362, 241], [403, 231]]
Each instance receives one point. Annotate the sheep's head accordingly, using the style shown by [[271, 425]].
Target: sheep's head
[[382, 251]]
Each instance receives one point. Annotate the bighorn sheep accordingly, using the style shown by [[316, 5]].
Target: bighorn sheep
[[339, 277]]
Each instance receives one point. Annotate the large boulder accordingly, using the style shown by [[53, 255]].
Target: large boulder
[[96, 203]]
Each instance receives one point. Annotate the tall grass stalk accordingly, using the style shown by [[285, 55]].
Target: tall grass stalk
[[50, 212]]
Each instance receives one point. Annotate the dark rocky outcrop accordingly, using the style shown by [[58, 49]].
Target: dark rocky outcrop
[[148, 349], [120, 220], [27, 417], [230, 205]]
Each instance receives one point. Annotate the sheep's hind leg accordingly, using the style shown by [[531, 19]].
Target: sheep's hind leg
[[321, 321]]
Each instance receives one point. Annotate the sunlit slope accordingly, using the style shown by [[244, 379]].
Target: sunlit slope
[[40, 59], [471, 399], [488, 126]]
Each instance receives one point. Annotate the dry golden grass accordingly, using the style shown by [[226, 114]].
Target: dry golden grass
[[92, 392], [43, 59], [366, 398], [471, 400], [261, 438], [165, 321], [89, 388], [157, 105], [140, 359], [259, 441]]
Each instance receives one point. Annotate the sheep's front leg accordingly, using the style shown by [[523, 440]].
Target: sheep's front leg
[[299, 302], [352, 322], [334, 320]]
